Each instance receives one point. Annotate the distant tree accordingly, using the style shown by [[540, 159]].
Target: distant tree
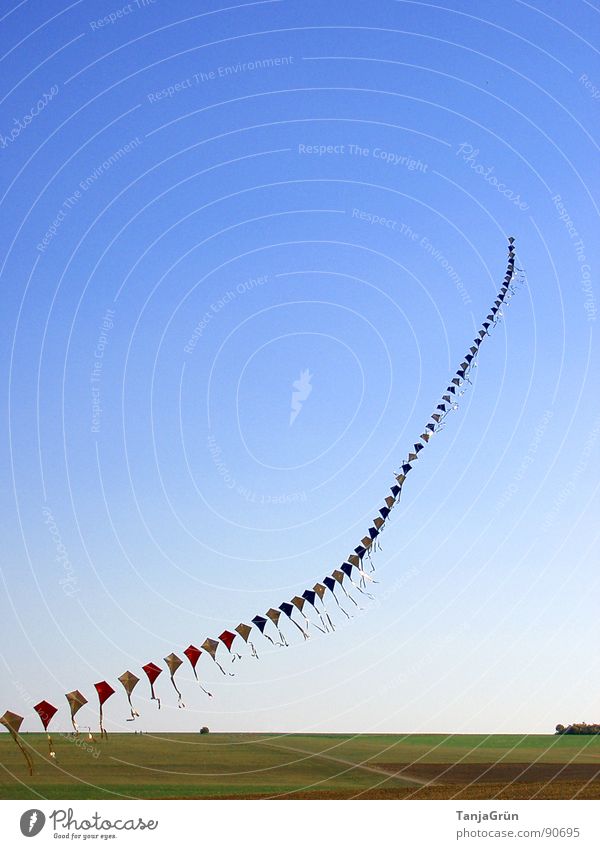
[[579, 728], [204, 730]]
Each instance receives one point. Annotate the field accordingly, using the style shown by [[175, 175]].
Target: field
[[302, 766]]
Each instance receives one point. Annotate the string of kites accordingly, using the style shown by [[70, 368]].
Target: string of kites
[[349, 570]]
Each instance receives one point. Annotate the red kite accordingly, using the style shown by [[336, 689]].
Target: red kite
[[105, 691], [152, 671], [275, 615], [46, 711], [193, 655], [227, 638]]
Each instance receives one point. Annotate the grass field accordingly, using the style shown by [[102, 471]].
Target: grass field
[[326, 766]]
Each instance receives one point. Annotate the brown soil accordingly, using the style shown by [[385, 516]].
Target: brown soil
[[494, 773], [518, 790]]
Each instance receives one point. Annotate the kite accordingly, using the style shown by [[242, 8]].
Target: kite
[[210, 646], [339, 577], [288, 609], [152, 671], [174, 662], [299, 603], [260, 623], [368, 544], [76, 701], [12, 721], [46, 711], [227, 638], [129, 681], [346, 568], [320, 590], [275, 615], [244, 632], [447, 404], [193, 655], [310, 596], [330, 584], [104, 691]]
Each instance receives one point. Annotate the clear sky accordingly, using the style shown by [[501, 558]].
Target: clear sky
[[200, 203]]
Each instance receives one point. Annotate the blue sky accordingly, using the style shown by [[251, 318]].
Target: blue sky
[[198, 207]]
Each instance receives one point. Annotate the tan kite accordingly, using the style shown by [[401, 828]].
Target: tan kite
[[244, 631], [129, 682], [12, 721], [174, 662], [76, 701], [210, 647], [288, 609], [339, 577], [275, 615], [321, 591], [311, 598], [299, 602]]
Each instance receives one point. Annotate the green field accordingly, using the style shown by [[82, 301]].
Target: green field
[[194, 766]]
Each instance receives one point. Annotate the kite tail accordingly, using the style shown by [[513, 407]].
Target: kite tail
[[26, 754], [51, 746], [222, 670], [283, 642], [153, 697], [270, 639], [195, 673], [325, 623], [360, 589], [180, 703], [103, 732], [253, 649], [304, 633], [340, 606], [365, 577], [318, 627], [134, 712], [329, 620], [74, 724], [308, 623], [326, 615], [353, 600]]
